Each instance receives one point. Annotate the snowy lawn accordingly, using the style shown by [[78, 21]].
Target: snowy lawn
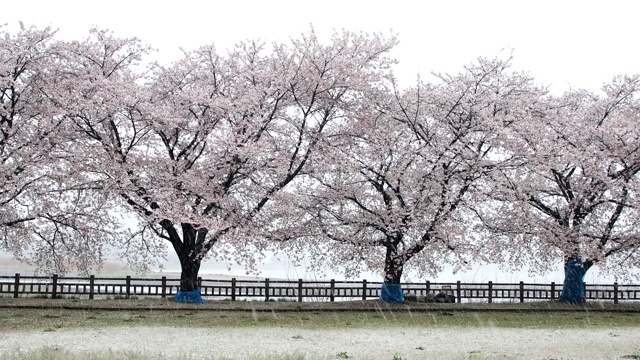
[[360, 343], [399, 332]]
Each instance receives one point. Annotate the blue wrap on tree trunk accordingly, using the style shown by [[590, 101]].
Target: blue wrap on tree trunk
[[392, 293], [189, 297], [573, 286]]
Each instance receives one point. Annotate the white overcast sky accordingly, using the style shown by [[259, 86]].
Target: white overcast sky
[[563, 44]]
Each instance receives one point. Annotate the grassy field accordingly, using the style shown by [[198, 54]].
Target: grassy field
[[51, 319], [44, 314]]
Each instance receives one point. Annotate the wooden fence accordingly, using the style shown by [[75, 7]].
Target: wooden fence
[[294, 290]]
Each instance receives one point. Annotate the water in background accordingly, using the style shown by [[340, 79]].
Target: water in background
[[279, 267]]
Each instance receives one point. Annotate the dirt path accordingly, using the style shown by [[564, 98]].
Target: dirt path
[[412, 343]]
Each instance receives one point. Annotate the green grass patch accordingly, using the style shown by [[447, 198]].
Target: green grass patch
[[30, 313], [331, 316]]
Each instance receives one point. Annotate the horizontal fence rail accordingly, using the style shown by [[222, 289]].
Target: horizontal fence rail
[[295, 290]]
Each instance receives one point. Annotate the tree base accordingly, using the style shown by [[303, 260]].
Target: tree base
[[192, 297], [573, 286], [392, 293]]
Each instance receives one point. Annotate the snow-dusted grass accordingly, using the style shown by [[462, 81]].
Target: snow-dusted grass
[[48, 353], [51, 319], [287, 343], [382, 332]]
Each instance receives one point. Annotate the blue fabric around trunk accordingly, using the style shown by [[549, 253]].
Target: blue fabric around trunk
[[573, 286], [189, 297], [392, 293]]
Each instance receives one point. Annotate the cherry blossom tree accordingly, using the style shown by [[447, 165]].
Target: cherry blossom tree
[[46, 217], [576, 194], [200, 150], [308, 146], [21, 58], [395, 191]]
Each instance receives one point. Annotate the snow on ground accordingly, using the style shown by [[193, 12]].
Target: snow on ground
[[362, 343]]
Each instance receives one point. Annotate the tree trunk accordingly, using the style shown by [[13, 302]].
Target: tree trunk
[[391, 289], [393, 266], [190, 249], [189, 276], [573, 285]]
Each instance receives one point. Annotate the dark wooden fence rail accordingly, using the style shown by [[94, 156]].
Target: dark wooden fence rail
[[294, 290]]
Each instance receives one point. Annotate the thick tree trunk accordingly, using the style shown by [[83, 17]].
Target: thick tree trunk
[[573, 285], [391, 289], [190, 249], [189, 276], [393, 264], [393, 268]]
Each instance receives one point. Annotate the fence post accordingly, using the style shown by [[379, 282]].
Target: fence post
[[128, 286], [164, 287], [459, 291], [332, 297], [233, 289], [553, 290], [299, 290], [584, 286], [92, 280], [364, 289], [199, 282], [16, 285], [490, 292], [266, 289], [54, 291], [521, 291], [615, 293], [428, 287]]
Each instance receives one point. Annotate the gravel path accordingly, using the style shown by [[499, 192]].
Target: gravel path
[[411, 343]]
